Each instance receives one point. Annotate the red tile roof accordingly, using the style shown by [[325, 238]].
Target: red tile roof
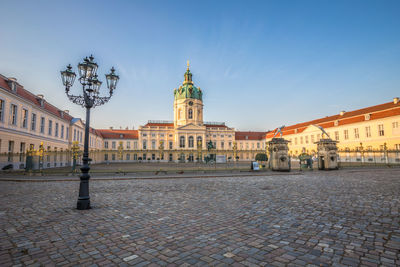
[[249, 135], [376, 112], [215, 126], [35, 100], [159, 124], [119, 134]]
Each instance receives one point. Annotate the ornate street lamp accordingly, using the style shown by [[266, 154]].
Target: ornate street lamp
[[89, 99]]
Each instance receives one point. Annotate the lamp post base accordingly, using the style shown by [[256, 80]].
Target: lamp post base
[[83, 204]]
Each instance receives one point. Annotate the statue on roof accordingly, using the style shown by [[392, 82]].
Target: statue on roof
[[279, 131]]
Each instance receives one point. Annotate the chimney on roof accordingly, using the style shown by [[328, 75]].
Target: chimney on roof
[[66, 111], [395, 100], [120, 127], [111, 128], [12, 82], [342, 113], [126, 128]]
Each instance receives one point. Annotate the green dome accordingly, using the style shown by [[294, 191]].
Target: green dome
[[187, 89]]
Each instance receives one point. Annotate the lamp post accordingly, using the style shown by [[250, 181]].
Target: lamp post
[[89, 98]]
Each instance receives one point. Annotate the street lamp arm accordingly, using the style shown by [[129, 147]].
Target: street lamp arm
[[101, 100], [77, 99]]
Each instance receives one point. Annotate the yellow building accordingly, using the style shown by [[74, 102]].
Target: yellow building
[[371, 128], [26, 120], [187, 137]]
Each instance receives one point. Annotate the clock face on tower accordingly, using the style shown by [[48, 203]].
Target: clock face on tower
[[190, 103]]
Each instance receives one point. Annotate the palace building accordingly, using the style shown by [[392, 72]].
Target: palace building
[[28, 121]]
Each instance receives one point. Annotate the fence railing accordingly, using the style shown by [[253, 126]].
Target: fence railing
[[368, 157], [55, 159]]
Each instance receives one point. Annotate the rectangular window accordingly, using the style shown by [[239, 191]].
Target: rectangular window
[[356, 133], [394, 124], [50, 127], [144, 156], [318, 137], [337, 135], [222, 145], [33, 122], [301, 139], [312, 139], [135, 145], [295, 140], [128, 145], [56, 130], [24, 118], [230, 144], [13, 113], [2, 109], [306, 139], [113, 145], [170, 145], [80, 137], [74, 134], [67, 133], [105, 156], [10, 146], [258, 145], [62, 131], [368, 131], [113, 156], [153, 144], [42, 122], [144, 144], [346, 134], [380, 130], [105, 144]]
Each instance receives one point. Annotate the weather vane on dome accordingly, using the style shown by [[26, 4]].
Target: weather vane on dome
[[188, 64]]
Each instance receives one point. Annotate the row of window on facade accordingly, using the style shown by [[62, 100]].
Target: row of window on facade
[[55, 129], [153, 156], [23, 148], [356, 134]]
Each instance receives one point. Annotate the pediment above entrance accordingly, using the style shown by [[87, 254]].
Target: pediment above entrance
[[191, 127]]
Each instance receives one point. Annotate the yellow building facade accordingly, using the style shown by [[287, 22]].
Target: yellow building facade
[[28, 120]]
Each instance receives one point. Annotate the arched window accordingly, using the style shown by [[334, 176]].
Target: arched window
[[199, 141], [190, 113], [182, 141], [179, 114], [191, 141]]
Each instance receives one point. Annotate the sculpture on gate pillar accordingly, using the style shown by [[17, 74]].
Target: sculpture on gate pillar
[[327, 152], [278, 150]]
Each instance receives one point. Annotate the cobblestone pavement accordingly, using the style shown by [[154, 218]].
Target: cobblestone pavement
[[338, 218]]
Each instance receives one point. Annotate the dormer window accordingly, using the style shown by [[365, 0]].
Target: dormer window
[[367, 117]]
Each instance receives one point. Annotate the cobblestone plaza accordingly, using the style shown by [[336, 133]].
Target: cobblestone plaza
[[338, 218]]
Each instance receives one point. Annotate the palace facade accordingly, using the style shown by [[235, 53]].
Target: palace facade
[[28, 121]]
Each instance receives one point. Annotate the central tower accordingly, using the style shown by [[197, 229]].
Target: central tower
[[188, 102]]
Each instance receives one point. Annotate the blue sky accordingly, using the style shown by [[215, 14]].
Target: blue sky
[[260, 64]]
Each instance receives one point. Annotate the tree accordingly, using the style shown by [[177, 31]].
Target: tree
[[261, 157]]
